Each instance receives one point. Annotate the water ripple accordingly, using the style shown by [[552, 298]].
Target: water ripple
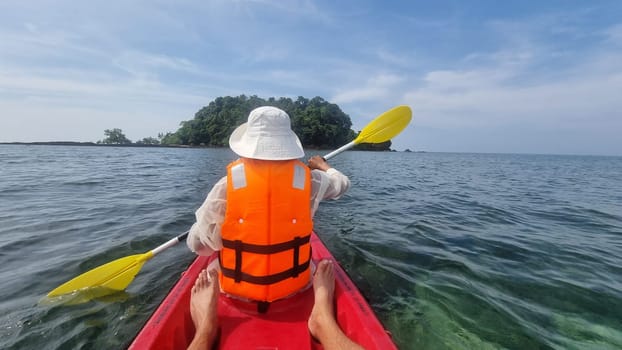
[[454, 251]]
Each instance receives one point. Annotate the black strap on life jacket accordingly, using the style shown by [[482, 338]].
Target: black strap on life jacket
[[239, 247], [262, 307]]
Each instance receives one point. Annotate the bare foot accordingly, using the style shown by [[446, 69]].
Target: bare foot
[[324, 289], [322, 323], [204, 309]]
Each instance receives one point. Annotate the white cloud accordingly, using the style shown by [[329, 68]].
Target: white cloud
[[300, 8], [32, 119], [587, 98], [269, 53], [394, 58], [374, 88], [78, 105], [614, 34], [150, 66]]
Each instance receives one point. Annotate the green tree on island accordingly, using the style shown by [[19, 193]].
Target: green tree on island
[[148, 141], [114, 137], [318, 123]]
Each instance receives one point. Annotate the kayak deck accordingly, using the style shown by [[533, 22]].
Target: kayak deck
[[283, 326]]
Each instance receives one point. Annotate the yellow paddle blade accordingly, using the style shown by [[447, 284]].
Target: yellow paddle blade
[[386, 126], [113, 276]]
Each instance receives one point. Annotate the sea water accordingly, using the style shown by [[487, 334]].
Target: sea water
[[453, 251]]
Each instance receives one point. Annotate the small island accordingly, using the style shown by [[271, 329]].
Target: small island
[[318, 123]]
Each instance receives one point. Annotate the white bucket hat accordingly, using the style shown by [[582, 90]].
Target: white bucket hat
[[266, 135]]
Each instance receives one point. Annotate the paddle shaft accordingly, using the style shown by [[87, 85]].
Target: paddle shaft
[[170, 243], [339, 150]]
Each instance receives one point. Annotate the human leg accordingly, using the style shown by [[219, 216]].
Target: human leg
[[204, 310], [322, 323]]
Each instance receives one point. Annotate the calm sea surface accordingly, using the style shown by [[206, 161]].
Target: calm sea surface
[[453, 251]]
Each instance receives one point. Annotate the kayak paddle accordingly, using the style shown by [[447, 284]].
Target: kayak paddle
[[118, 274], [385, 127], [115, 275]]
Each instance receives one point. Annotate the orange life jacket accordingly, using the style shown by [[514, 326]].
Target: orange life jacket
[[265, 234]]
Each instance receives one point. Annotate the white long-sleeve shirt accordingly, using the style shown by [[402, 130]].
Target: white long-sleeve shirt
[[205, 238]]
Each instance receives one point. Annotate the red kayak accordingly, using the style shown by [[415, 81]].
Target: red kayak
[[283, 326]]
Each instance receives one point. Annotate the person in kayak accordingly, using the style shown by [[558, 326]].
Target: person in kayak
[[259, 216]]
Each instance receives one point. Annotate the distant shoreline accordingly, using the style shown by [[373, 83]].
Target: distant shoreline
[[75, 143]]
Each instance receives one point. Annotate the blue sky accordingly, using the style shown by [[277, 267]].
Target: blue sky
[[480, 76]]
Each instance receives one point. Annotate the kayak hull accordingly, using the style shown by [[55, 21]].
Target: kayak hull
[[283, 326]]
